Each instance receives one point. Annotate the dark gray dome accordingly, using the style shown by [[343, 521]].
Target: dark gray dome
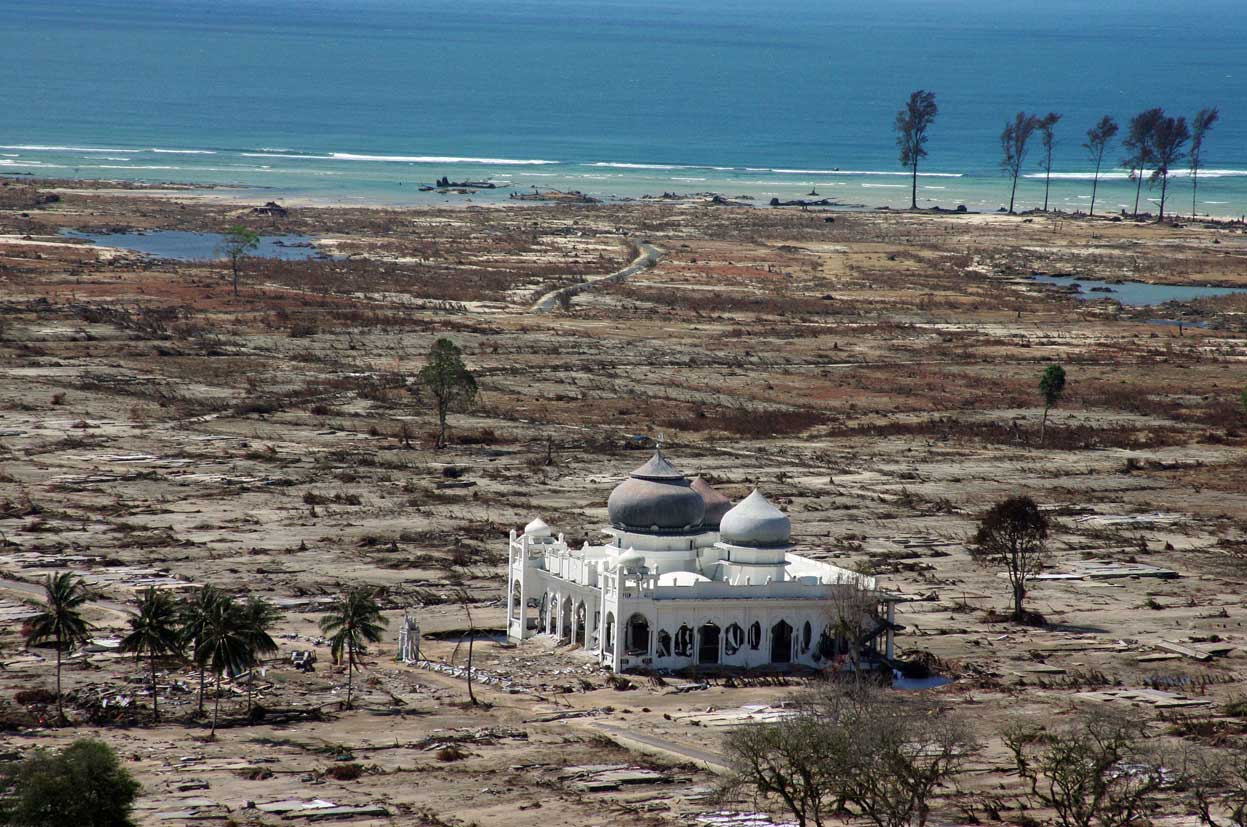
[[756, 522], [716, 504], [656, 498]]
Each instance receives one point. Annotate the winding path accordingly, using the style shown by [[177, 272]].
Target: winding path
[[648, 257]]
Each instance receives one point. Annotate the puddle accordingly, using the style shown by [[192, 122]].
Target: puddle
[[1136, 293], [180, 245], [899, 681]]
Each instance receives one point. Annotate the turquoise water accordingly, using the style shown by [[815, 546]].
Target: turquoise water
[[187, 246], [1136, 293], [368, 99]]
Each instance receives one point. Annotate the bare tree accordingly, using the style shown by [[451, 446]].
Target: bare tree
[[1138, 145], [851, 747], [1013, 143], [1216, 782], [853, 616], [1098, 139], [1169, 137], [1204, 119], [464, 599], [912, 123], [1097, 772], [1012, 536], [1046, 127]]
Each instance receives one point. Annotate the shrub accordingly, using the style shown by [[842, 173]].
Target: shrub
[[83, 785], [345, 772]]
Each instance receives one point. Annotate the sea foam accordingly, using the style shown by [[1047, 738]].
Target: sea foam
[[437, 159]]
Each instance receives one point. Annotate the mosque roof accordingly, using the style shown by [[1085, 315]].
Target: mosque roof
[[656, 498], [755, 522]]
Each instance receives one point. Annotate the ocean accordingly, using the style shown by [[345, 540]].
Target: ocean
[[364, 101]]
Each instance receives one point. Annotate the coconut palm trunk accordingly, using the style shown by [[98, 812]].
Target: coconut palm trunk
[[350, 673], [216, 705], [155, 692], [60, 703]]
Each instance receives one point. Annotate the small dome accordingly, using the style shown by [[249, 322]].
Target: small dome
[[755, 521], [630, 560], [716, 504], [538, 529], [681, 578], [656, 498]]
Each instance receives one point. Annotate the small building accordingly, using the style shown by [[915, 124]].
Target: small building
[[685, 578]]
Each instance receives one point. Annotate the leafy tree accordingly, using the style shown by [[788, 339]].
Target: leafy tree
[[912, 124], [60, 621], [1013, 143], [258, 618], [1204, 119], [352, 623], [154, 632], [450, 382], [195, 612], [237, 242], [1051, 388], [1098, 139], [1046, 127], [1138, 144], [225, 646], [1169, 136], [1100, 771], [83, 785], [1012, 536]]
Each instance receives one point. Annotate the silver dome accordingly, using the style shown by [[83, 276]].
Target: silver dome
[[716, 504], [656, 498], [756, 522]]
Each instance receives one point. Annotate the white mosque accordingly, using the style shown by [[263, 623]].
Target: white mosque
[[683, 578]]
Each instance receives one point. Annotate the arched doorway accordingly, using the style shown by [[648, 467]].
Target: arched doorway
[[708, 644], [517, 602], [552, 613], [566, 636], [608, 641], [580, 632], [636, 635], [781, 643]]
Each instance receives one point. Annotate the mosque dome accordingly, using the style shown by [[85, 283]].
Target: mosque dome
[[538, 529], [656, 498], [716, 504], [756, 522], [630, 560]]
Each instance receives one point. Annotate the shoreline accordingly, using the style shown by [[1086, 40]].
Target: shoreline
[[250, 195]]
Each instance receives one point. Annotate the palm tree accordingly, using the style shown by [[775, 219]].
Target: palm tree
[[194, 613], [225, 645], [258, 617], [154, 632], [61, 621], [353, 622]]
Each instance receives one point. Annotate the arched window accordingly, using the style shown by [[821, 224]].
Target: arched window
[[755, 635], [636, 635], [733, 639], [663, 650], [684, 642], [806, 634], [517, 602]]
